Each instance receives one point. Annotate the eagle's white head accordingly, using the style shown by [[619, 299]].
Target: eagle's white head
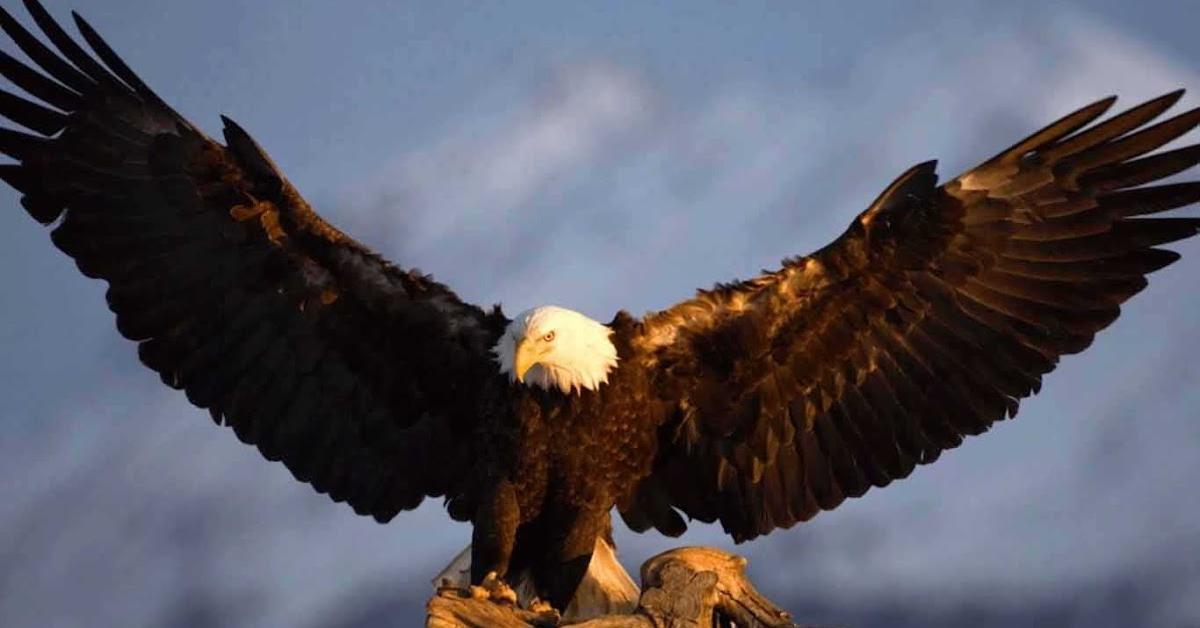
[[554, 347]]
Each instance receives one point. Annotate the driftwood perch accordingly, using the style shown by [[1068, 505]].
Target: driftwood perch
[[690, 587]]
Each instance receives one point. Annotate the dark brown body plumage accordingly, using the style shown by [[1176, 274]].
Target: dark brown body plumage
[[554, 466], [757, 404]]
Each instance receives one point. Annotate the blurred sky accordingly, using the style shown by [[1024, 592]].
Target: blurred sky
[[606, 156]]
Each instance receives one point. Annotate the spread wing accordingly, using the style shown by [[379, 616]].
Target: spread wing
[[361, 377], [928, 320]]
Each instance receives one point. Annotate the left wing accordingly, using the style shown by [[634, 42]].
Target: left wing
[[363, 378], [936, 312]]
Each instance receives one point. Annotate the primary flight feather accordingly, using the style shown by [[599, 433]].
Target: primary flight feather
[[756, 404]]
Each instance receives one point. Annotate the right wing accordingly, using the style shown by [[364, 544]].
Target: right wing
[[364, 379]]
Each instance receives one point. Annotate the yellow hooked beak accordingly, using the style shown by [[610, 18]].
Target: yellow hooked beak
[[526, 356]]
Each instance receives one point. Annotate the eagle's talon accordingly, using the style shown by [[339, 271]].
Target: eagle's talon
[[494, 589], [547, 615]]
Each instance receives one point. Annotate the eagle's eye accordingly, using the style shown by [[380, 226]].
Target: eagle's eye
[[548, 337]]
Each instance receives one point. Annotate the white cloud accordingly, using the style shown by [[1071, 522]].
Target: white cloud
[[477, 186]]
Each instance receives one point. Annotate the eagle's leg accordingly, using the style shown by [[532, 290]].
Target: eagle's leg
[[492, 540], [566, 563]]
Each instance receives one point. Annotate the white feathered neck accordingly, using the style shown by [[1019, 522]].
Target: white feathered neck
[[573, 352]]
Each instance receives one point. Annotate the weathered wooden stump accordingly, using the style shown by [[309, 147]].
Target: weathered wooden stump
[[690, 587]]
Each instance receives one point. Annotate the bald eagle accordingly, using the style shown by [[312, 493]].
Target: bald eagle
[[757, 403]]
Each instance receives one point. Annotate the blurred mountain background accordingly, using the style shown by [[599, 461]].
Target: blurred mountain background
[[604, 157]]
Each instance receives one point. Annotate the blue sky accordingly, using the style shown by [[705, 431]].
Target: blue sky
[[606, 157]]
